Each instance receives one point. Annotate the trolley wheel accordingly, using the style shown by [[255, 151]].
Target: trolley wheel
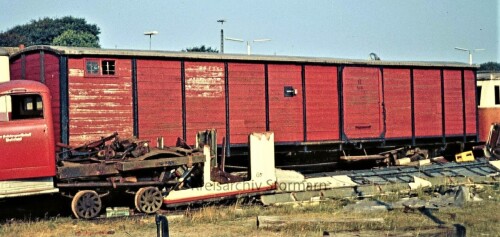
[[148, 200], [86, 204]]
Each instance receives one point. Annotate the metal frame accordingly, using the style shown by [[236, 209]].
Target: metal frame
[[135, 98]]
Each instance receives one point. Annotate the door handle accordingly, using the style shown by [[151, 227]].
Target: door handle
[[363, 126]]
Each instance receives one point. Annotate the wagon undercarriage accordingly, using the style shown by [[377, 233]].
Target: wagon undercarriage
[[90, 172]]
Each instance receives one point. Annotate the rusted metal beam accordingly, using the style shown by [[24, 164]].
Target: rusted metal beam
[[365, 157], [109, 184], [74, 170], [164, 162]]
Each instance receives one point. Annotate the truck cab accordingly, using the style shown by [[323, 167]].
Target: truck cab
[[27, 146]]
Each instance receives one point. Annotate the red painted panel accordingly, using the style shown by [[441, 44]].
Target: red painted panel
[[52, 82], [205, 99], [247, 100], [159, 100], [15, 69], [285, 113], [427, 94], [27, 145], [453, 106], [362, 88], [33, 67], [51, 63], [397, 100], [322, 106], [99, 106], [470, 102]]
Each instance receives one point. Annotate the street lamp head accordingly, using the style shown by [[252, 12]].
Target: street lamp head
[[234, 39], [462, 49], [151, 33], [221, 21], [469, 51], [261, 40]]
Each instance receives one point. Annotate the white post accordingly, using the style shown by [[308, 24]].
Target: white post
[[4, 66], [4, 77]]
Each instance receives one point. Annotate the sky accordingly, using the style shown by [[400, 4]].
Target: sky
[[396, 30]]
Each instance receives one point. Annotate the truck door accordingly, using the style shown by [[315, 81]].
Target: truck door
[[362, 103], [26, 139]]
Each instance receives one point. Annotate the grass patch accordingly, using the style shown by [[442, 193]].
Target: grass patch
[[480, 218]]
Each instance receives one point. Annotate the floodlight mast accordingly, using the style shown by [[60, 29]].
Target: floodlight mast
[[150, 33], [470, 52], [221, 21], [248, 42]]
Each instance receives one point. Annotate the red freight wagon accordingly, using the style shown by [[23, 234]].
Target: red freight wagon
[[311, 104]]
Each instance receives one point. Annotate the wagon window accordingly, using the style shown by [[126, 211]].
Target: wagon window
[[108, 67], [92, 68]]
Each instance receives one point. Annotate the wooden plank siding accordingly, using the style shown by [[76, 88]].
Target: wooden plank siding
[[453, 103], [322, 104], [362, 91], [428, 110], [99, 105], [52, 82], [470, 103], [285, 113], [180, 94], [247, 105], [397, 101], [205, 98], [159, 100]]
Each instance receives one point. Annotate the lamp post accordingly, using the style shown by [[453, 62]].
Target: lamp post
[[150, 33], [221, 21], [248, 42], [470, 52]]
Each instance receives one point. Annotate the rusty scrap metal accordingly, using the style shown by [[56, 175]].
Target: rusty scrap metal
[[492, 147], [363, 157], [220, 176], [105, 149], [111, 156], [69, 170]]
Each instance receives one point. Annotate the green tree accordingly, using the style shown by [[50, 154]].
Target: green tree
[[44, 30], [201, 49], [489, 66], [76, 38]]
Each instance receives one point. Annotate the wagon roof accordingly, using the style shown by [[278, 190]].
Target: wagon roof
[[81, 51]]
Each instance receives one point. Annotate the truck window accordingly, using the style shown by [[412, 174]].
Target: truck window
[[17, 107]]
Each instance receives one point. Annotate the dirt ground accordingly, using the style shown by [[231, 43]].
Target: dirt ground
[[479, 218]]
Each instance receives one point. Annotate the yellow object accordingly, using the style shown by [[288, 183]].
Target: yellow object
[[464, 156]]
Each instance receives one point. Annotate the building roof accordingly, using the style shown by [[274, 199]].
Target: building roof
[[488, 75], [10, 50], [80, 51]]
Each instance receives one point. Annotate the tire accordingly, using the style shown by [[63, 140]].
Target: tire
[[86, 204], [148, 200]]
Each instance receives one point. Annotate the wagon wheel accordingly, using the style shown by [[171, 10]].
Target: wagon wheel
[[86, 204], [148, 200]]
